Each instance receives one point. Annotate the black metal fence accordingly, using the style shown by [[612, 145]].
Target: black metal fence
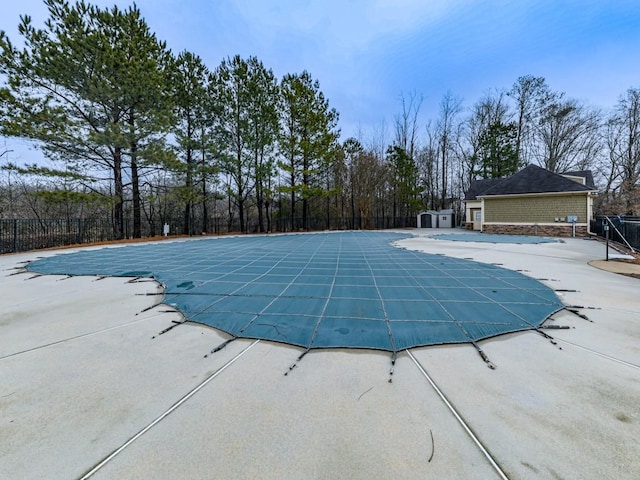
[[19, 235], [619, 227]]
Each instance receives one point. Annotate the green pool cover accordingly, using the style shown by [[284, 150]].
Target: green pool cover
[[492, 238], [350, 289]]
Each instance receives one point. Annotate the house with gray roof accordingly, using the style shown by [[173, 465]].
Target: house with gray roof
[[534, 201]]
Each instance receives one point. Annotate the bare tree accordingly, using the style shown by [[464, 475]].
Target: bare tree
[[352, 150], [448, 131], [491, 109], [406, 123], [566, 135], [623, 145], [428, 167], [529, 94], [369, 180], [377, 142]]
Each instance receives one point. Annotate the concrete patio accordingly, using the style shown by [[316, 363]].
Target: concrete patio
[[86, 391]]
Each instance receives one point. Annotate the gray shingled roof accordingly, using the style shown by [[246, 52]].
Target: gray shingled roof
[[534, 179], [478, 187], [586, 174]]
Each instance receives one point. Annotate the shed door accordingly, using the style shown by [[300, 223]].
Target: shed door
[[476, 214], [425, 220]]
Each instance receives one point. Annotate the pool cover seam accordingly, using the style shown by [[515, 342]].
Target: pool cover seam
[[384, 309], [328, 298]]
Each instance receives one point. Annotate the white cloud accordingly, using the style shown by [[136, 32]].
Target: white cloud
[[405, 15], [354, 23]]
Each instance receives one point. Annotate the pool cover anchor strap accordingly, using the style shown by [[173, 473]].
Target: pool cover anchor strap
[[221, 346], [394, 357], [171, 327], [484, 356], [18, 271], [295, 364], [313, 337], [583, 307], [151, 307], [577, 313], [548, 337]]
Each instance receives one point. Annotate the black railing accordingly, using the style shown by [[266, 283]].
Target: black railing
[[19, 235], [627, 229]]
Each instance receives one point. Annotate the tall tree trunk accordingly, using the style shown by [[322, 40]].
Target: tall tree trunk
[[444, 172], [395, 211], [260, 205], [305, 206], [240, 193], [267, 205], [353, 200], [259, 194], [205, 212], [135, 181], [305, 188], [229, 213], [188, 207], [243, 227], [135, 190], [293, 198], [118, 206]]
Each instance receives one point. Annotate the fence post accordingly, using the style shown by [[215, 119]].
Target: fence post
[[15, 235]]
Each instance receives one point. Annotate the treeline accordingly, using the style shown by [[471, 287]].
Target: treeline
[[138, 132], [131, 123]]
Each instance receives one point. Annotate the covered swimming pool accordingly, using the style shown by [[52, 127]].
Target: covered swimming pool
[[326, 290], [493, 238]]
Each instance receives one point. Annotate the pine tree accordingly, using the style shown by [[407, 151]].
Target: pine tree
[[308, 141], [232, 129], [497, 151], [90, 89], [194, 114], [263, 133]]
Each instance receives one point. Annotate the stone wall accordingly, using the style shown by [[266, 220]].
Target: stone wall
[[560, 230]]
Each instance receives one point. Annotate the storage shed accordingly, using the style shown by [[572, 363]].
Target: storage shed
[[428, 219], [445, 218], [433, 219]]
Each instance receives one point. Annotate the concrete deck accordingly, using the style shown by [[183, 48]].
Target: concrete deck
[[82, 379]]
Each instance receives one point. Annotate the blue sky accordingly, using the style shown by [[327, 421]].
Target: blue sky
[[367, 53]]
